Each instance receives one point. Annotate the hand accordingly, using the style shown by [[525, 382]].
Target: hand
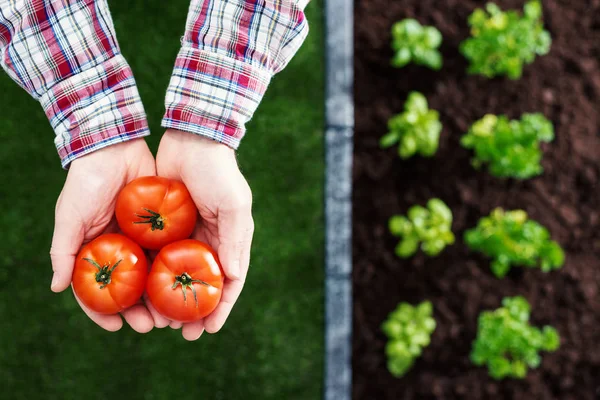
[[224, 200], [85, 209]]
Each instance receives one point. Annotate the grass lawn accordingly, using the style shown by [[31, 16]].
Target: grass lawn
[[271, 347]]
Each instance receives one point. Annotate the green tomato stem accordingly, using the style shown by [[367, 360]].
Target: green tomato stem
[[103, 276], [186, 281], [155, 220]]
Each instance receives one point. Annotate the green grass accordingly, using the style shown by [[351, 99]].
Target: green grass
[[271, 347]]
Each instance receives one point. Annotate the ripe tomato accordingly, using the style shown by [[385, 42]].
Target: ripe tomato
[[186, 281], [156, 211], [110, 274]]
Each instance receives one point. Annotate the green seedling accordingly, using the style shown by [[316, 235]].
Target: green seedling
[[509, 148], [503, 42], [416, 130], [510, 239], [507, 343], [409, 330], [430, 228], [413, 42]]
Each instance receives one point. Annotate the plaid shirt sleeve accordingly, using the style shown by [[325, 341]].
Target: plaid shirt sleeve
[[230, 51], [66, 55]]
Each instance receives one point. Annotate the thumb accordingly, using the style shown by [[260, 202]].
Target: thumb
[[66, 241], [236, 228]]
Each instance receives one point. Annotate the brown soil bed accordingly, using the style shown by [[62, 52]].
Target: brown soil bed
[[565, 86]]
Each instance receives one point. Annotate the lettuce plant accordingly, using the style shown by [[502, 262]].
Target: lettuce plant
[[430, 227], [510, 148], [413, 42], [502, 42], [417, 129], [511, 239], [507, 343], [409, 330]]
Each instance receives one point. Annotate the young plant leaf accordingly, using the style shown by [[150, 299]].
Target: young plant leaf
[[507, 344], [413, 42], [511, 239], [409, 330], [417, 129], [509, 148], [503, 42], [430, 227]]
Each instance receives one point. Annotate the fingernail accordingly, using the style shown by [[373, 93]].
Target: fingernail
[[54, 281], [195, 337], [235, 270]]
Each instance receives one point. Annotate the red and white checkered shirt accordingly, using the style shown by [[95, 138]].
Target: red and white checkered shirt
[[65, 54]]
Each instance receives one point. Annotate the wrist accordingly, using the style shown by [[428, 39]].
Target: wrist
[[188, 140], [184, 153], [134, 151]]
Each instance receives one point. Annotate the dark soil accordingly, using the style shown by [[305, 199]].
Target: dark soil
[[565, 86]]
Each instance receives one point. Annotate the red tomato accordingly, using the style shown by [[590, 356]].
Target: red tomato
[[110, 274], [155, 211], [186, 281]]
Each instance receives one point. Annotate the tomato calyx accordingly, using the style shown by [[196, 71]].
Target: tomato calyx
[[155, 220], [186, 281], [104, 272]]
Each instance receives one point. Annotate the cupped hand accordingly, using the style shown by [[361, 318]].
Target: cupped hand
[[85, 209], [224, 200]]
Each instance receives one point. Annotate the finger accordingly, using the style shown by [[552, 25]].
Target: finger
[[192, 330], [215, 321], [66, 241], [139, 318], [231, 292], [175, 324], [111, 323], [235, 239], [159, 320]]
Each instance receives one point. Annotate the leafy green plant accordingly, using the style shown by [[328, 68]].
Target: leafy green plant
[[417, 129], [511, 239], [414, 42], [409, 330], [507, 343], [430, 227], [502, 42], [510, 148]]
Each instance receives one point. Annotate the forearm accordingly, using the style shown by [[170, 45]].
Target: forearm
[[65, 54], [231, 50]]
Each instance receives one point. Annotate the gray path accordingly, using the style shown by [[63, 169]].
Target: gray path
[[338, 199]]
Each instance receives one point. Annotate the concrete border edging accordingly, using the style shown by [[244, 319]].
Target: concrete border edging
[[339, 108]]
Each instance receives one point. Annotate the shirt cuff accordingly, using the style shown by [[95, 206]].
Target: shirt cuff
[[96, 108], [213, 95]]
